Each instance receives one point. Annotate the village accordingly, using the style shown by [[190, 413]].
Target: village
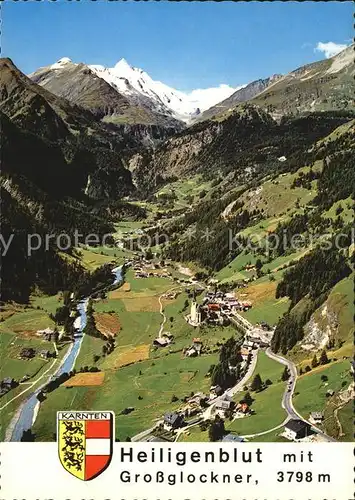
[[208, 307]]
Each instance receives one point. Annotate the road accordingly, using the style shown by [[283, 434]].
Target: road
[[287, 398], [287, 401], [142, 435], [161, 309], [237, 388]]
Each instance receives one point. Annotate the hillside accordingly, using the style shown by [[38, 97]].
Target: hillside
[[57, 162], [230, 231], [321, 86], [242, 95], [244, 145]]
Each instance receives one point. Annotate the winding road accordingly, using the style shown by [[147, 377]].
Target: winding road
[[287, 402]]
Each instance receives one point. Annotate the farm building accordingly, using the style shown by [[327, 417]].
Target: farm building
[[192, 352], [197, 399], [215, 391], [173, 421], [161, 341], [316, 417], [47, 333], [45, 354], [242, 408], [296, 429], [222, 407], [6, 385]]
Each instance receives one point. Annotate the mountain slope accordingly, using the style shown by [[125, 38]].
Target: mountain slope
[[48, 127], [140, 88], [240, 147], [56, 160], [321, 86], [242, 95], [84, 86]]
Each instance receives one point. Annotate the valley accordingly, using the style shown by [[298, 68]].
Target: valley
[[216, 302]]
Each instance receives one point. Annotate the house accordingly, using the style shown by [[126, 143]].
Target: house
[[191, 353], [47, 332], [232, 438], [161, 342], [242, 408], [222, 407], [244, 353], [316, 417], [197, 345], [197, 399], [296, 429], [45, 354], [6, 385], [215, 391], [173, 421], [282, 158], [214, 307], [27, 353], [265, 326], [8, 382]]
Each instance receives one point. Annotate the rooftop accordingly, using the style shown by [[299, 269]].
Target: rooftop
[[232, 438], [296, 425]]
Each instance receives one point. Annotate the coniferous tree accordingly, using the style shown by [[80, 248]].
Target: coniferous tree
[[257, 383], [216, 430], [314, 362], [247, 399], [323, 360]]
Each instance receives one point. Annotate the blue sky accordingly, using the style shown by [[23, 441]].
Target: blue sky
[[185, 45]]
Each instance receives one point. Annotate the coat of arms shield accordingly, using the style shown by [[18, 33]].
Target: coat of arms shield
[[85, 442]]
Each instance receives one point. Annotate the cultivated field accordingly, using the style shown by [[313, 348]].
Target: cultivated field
[[126, 355], [85, 380], [147, 387], [108, 324]]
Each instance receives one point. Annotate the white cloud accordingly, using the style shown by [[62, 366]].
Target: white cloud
[[205, 98], [330, 49]]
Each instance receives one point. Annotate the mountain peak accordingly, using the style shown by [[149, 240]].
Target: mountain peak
[[122, 65], [61, 62]]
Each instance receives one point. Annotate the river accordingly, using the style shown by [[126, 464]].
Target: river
[[26, 415]]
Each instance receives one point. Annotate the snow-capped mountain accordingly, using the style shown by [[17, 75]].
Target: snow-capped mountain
[[136, 83]]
